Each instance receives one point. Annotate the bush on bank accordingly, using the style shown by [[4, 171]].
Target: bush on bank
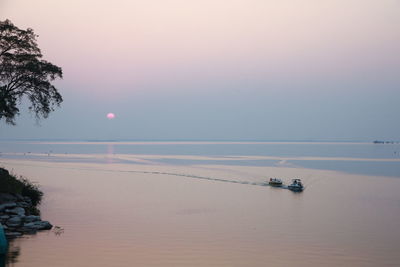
[[10, 183]]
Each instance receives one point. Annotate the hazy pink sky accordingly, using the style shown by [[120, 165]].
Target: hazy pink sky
[[243, 59]]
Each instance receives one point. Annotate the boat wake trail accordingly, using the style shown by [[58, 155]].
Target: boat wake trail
[[201, 177], [204, 178], [197, 177]]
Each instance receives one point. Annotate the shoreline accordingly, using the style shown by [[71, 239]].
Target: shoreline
[[19, 200], [16, 218]]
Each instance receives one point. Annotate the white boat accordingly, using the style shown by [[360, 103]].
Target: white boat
[[296, 185], [275, 182]]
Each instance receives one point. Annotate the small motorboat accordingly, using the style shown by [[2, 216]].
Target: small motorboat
[[275, 182], [296, 185]]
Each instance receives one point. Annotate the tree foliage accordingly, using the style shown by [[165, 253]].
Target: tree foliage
[[23, 73]]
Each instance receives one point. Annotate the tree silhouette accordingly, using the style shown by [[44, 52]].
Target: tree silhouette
[[23, 73]]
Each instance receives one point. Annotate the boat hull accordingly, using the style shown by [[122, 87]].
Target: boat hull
[[295, 188], [275, 184]]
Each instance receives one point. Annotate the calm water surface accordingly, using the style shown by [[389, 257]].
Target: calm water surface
[[204, 205], [368, 158]]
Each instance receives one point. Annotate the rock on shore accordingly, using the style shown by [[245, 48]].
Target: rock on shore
[[15, 216]]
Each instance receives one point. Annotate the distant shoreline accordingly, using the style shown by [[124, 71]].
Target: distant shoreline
[[121, 142], [78, 140]]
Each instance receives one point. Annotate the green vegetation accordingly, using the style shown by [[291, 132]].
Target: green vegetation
[[10, 183]]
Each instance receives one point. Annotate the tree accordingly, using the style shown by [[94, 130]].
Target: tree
[[23, 73]]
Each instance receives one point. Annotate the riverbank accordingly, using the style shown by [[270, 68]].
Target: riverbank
[[19, 199]]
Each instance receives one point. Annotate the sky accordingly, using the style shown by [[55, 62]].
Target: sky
[[216, 69]]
